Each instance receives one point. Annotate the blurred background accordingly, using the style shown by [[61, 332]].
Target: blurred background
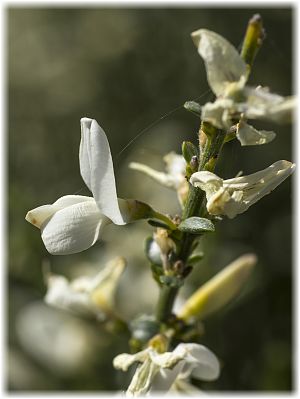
[[129, 68]]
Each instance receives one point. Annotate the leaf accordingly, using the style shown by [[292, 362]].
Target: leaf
[[193, 107], [156, 223], [195, 258], [196, 225]]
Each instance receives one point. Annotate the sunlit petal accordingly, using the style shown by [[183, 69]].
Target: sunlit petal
[[248, 135], [97, 169], [223, 63], [73, 228]]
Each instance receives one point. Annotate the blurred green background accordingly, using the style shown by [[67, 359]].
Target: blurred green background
[[128, 68]]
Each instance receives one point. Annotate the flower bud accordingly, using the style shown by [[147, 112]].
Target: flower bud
[[219, 290]]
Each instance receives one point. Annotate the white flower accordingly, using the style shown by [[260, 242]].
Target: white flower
[[88, 296], [173, 178], [158, 371], [233, 196], [74, 223], [227, 74]]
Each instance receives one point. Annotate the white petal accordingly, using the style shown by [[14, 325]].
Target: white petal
[[125, 360], [218, 113], [73, 229], [261, 104], [162, 178], [261, 183], [39, 215], [62, 295], [200, 362], [142, 380], [103, 286], [97, 170], [165, 378], [206, 181], [248, 135], [175, 164], [222, 61]]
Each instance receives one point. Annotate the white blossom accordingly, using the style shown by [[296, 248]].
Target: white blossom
[[157, 372], [74, 223], [227, 75], [87, 296], [234, 196]]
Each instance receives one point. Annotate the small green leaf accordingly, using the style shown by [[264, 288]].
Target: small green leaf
[[156, 223], [193, 107], [196, 225], [195, 258]]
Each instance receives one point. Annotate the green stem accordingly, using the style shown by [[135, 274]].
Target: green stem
[[193, 205], [208, 161], [165, 303]]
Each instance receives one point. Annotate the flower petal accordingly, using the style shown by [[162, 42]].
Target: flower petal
[[175, 165], [233, 196], [261, 104], [103, 286], [261, 183], [125, 360], [39, 215], [96, 168], [165, 378], [248, 135], [200, 362], [62, 295], [218, 113], [222, 61], [206, 181], [73, 229], [161, 177]]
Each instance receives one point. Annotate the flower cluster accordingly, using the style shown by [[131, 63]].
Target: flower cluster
[[74, 223]]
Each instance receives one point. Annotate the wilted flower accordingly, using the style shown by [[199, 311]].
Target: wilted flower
[[227, 74], [173, 178], [233, 196], [87, 296], [158, 371], [74, 222]]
